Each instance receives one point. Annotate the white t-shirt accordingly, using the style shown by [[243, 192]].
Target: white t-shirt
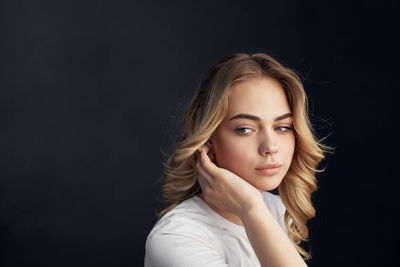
[[194, 235]]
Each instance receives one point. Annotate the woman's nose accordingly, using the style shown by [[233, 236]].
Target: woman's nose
[[268, 145]]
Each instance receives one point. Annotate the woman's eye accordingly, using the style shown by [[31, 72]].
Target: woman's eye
[[243, 130], [284, 128]]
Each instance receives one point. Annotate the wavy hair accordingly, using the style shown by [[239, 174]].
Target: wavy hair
[[206, 111]]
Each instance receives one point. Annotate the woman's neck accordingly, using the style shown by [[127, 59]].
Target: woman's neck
[[227, 215]]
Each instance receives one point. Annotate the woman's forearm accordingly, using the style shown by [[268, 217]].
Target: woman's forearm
[[270, 243]]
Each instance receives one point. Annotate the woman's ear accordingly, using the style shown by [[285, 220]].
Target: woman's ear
[[210, 140], [210, 145], [211, 152]]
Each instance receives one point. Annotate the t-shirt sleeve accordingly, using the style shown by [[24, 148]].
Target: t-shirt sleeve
[[165, 249]]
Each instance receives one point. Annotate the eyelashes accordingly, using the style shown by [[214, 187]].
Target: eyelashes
[[285, 129], [280, 129], [239, 130]]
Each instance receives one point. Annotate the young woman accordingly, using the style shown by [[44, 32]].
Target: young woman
[[246, 132]]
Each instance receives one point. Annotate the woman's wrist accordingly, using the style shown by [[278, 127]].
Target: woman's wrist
[[253, 207]]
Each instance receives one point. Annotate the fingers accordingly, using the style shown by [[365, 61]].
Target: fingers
[[205, 161], [203, 178], [204, 167], [202, 172]]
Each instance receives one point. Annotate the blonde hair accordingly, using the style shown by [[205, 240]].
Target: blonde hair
[[208, 108]]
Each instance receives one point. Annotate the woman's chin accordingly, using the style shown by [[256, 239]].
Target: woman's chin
[[267, 185], [268, 188]]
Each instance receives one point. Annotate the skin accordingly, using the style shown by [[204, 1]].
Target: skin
[[243, 145]]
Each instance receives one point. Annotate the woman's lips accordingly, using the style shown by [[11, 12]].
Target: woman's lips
[[269, 169]]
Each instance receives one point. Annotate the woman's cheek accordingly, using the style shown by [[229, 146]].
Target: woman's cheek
[[234, 156]]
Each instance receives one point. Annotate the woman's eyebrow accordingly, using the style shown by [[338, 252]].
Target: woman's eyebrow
[[255, 118]]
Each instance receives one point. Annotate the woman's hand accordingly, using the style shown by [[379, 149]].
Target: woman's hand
[[224, 189], [231, 193]]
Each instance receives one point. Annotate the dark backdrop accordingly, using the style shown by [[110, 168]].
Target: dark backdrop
[[92, 93]]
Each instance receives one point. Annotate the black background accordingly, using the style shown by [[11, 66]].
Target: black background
[[92, 93]]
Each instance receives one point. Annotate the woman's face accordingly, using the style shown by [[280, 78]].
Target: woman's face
[[256, 140]]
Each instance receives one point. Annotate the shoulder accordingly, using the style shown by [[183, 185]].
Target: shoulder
[[275, 206], [187, 217], [180, 238]]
